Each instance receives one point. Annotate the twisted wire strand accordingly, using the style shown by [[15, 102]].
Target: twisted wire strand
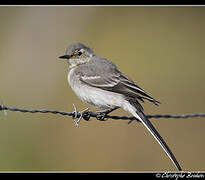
[[87, 114]]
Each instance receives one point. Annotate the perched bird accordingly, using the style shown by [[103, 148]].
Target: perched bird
[[98, 82]]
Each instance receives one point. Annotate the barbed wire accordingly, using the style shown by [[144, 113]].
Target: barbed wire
[[86, 115]]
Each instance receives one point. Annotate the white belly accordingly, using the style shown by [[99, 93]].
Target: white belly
[[95, 96]]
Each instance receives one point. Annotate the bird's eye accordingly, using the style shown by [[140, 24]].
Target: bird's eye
[[79, 53]]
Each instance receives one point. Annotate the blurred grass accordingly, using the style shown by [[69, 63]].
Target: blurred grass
[[161, 48]]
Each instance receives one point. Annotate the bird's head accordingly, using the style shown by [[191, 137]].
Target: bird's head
[[77, 54]]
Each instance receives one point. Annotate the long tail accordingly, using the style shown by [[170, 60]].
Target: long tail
[[141, 116]]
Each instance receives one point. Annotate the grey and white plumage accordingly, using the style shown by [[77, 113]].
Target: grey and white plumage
[[98, 82]]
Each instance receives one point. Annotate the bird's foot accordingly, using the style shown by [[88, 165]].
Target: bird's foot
[[79, 115], [101, 114]]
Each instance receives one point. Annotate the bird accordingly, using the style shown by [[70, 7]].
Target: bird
[[98, 82]]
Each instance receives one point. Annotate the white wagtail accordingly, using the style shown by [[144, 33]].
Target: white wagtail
[[98, 82]]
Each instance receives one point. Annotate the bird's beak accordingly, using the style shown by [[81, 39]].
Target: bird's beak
[[65, 57]]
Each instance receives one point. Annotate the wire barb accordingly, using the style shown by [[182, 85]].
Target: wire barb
[[3, 109], [76, 114]]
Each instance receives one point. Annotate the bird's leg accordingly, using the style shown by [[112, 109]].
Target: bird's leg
[[76, 114], [102, 113]]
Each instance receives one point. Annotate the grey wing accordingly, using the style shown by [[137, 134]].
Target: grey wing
[[100, 73], [106, 76], [135, 90]]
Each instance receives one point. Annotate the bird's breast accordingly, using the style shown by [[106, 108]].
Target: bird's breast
[[94, 96]]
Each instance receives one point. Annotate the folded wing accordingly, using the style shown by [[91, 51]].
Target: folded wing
[[113, 80]]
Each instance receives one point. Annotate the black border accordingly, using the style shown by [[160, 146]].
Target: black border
[[152, 175], [103, 2], [52, 174], [89, 175]]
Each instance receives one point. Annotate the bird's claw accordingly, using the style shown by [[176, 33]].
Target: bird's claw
[[86, 115], [77, 114], [101, 116]]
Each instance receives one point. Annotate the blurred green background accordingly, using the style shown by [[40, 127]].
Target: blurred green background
[[160, 48]]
